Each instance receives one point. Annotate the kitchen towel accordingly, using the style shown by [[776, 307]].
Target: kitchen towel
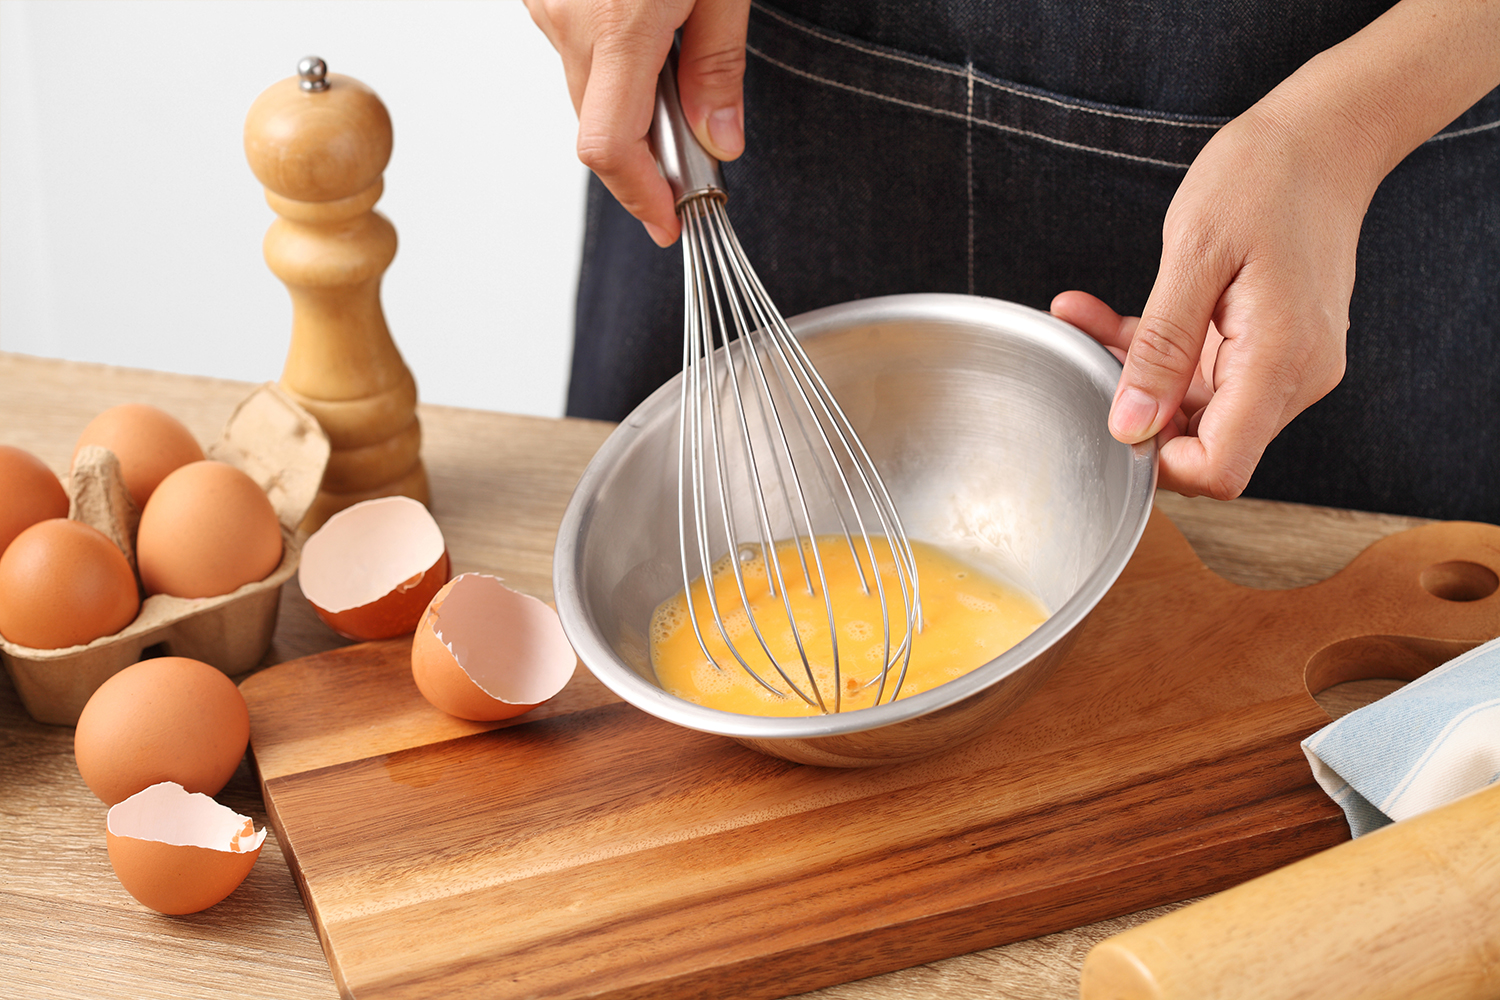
[[1426, 744]]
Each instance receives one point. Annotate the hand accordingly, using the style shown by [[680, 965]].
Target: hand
[[612, 53], [1259, 242], [1245, 325]]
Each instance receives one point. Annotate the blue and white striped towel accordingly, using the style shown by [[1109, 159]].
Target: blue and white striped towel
[[1426, 744]]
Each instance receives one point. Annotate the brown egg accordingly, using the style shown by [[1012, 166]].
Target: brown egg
[[178, 851], [63, 583], [484, 652], [149, 442], [207, 530], [31, 493], [165, 719]]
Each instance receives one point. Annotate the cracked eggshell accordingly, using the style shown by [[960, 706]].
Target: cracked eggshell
[[371, 569], [178, 851], [484, 652]]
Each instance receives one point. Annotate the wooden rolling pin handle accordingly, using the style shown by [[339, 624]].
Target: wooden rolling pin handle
[[1409, 911]]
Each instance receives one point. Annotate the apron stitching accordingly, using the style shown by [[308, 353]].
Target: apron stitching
[[1100, 111], [1465, 131], [1019, 92], [953, 114], [969, 166]]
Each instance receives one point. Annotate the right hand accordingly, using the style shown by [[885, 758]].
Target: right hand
[[612, 53]]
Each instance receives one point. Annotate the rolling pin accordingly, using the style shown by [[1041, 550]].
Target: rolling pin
[[1410, 911]]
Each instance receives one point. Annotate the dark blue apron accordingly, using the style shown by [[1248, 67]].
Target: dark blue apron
[[949, 146]]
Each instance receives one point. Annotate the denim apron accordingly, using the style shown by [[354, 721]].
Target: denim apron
[[1019, 150]]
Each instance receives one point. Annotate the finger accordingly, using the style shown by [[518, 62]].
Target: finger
[[556, 25], [1095, 318], [1263, 382], [711, 75], [613, 123], [1182, 465], [1167, 346]]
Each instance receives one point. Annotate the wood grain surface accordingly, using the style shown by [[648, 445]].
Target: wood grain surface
[[67, 929], [602, 853]]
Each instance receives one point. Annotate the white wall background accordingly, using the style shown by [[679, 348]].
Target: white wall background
[[131, 226]]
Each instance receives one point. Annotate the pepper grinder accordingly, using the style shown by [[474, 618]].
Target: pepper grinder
[[319, 142]]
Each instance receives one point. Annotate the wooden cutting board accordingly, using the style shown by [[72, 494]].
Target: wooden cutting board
[[589, 850]]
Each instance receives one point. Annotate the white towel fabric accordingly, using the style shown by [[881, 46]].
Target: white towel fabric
[[1420, 747]]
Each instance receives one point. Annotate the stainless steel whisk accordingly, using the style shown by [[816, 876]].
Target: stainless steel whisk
[[756, 414]]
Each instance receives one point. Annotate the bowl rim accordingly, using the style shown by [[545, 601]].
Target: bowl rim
[[623, 680]]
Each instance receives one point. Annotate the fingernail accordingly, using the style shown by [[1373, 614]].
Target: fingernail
[[658, 235], [1131, 417], [725, 131]]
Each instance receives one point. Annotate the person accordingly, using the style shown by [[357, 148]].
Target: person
[[1240, 200]]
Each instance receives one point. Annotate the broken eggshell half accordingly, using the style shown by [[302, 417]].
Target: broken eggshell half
[[484, 652], [178, 851], [372, 568]]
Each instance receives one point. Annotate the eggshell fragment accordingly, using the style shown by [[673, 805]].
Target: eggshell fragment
[[149, 442], [485, 652], [178, 851], [169, 718], [372, 569], [31, 493]]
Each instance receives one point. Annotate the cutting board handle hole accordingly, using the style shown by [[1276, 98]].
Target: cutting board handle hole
[[1371, 666], [1460, 580]]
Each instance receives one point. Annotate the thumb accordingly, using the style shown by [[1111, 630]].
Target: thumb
[[711, 74], [1167, 346]]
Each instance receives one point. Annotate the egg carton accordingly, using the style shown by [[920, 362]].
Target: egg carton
[[282, 447]]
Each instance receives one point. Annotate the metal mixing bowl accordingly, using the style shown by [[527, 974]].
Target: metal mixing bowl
[[988, 423]]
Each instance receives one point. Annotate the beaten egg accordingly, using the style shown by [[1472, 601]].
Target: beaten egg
[[969, 617]]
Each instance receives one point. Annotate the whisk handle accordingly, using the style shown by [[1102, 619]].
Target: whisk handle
[[686, 165]]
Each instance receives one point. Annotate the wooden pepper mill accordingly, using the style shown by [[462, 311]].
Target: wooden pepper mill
[[319, 142]]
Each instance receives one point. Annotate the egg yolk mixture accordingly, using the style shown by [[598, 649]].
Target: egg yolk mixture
[[968, 619]]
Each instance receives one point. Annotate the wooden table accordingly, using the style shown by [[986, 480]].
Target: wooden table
[[500, 483]]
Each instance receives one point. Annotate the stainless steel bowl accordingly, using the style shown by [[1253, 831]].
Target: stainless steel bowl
[[988, 422]]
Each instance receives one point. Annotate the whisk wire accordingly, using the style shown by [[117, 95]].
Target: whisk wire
[[828, 415], [700, 374], [698, 381], [723, 295], [751, 317], [739, 354]]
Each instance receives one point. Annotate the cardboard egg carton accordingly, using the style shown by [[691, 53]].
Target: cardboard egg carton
[[282, 448]]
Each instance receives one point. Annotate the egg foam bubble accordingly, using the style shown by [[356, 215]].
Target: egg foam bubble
[[968, 617]]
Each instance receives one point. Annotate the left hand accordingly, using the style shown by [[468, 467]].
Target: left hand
[[1245, 325]]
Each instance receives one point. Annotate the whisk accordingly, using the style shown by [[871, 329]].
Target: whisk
[[770, 472]]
